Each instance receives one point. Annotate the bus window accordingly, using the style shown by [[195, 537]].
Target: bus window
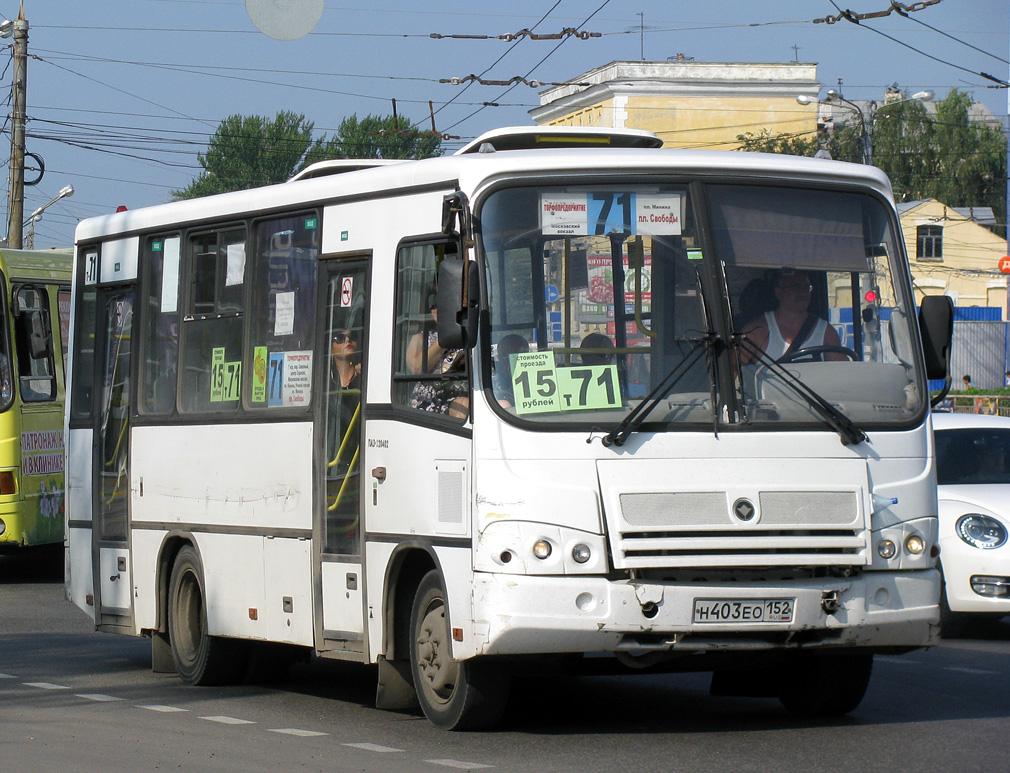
[[159, 369], [426, 376], [212, 322], [282, 311], [34, 345]]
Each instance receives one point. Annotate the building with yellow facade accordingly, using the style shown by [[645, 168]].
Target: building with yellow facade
[[688, 104]]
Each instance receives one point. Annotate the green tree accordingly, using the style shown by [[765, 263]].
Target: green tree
[[249, 151], [376, 137], [945, 156]]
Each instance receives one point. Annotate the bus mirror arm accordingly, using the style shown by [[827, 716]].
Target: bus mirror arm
[[936, 329], [457, 298]]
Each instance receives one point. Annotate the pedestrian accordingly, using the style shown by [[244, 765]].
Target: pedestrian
[[967, 382]]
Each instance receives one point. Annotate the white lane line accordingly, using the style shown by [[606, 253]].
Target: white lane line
[[46, 685], [296, 731], [229, 720], [969, 670], [97, 696], [7, 676], [459, 764], [372, 747], [897, 660], [163, 709]]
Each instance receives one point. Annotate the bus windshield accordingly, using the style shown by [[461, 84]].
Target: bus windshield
[[603, 294]]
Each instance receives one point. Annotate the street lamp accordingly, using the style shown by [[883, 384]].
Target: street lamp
[[865, 126], [34, 217]]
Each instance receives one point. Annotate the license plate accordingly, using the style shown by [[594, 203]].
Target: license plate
[[743, 610]]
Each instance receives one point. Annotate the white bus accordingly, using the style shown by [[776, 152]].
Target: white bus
[[462, 416]]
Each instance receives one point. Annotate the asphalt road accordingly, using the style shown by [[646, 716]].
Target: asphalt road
[[73, 699]]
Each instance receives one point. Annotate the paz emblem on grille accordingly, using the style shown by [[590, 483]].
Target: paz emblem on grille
[[744, 509]]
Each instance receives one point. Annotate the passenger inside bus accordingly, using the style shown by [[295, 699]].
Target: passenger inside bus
[[509, 344], [346, 360], [596, 349], [790, 327], [425, 355]]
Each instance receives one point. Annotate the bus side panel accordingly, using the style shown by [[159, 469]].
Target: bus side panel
[[78, 515], [243, 494]]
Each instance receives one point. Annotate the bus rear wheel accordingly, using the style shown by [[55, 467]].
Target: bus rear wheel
[[454, 694], [200, 659]]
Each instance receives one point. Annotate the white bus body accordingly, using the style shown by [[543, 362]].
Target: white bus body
[[224, 493]]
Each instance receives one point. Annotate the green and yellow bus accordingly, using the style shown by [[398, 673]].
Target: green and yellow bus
[[35, 309]]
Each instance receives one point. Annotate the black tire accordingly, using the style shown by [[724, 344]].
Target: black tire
[[200, 659], [826, 684], [455, 695]]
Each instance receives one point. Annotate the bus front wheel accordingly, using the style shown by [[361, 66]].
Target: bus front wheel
[[200, 659], [454, 694]]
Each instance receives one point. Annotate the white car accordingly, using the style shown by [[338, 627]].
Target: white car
[[972, 456]]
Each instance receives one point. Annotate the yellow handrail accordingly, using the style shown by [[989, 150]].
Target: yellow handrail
[[347, 477]]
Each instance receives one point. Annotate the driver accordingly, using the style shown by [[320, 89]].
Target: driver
[[776, 331]]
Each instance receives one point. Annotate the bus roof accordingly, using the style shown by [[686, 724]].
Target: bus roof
[[468, 171], [38, 264]]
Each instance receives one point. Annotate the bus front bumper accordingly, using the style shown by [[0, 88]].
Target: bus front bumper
[[517, 614]]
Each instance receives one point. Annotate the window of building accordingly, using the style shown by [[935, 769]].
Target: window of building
[[212, 322], [426, 377], [929, 242]]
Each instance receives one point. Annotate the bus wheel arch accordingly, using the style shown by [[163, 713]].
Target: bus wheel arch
[[454, 694], [200, 659]]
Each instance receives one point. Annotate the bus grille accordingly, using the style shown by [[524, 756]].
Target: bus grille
[[786, 528]]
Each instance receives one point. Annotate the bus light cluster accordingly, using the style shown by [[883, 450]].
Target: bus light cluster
[[914, 546]]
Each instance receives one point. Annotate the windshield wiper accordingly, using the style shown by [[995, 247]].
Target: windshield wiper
[[619, 434], [834, 418]]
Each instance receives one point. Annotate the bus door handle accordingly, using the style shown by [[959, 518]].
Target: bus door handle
[[114, 577], [379, 473]]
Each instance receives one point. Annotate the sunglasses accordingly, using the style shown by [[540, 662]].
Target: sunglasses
[[342, 338]]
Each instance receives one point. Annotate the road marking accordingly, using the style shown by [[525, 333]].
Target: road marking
[[460, 765], [7, 676], [229, 720], [969, 670], [372, 747], [296, 731], [97, 696], [897, 660], [46, 685], [159, 707]]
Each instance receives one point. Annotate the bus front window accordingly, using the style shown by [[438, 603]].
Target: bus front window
[[596, 298], [602, 296]]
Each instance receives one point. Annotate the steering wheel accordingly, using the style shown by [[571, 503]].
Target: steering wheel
[[811, 351]]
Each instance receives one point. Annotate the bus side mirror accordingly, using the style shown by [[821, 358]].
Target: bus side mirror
[[457, 304], [936, 327]]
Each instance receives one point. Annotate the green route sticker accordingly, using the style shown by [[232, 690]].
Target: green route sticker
[[541, 387], [259, 383], [225, 377]]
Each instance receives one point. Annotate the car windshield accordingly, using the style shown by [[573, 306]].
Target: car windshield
[[598, 293], [973, 455]]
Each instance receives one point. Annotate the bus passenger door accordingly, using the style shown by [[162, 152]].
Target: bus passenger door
[[111, 484], [343, 340]]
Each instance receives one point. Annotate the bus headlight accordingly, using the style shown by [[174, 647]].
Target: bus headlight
[[914, 544], [581, 553], [886, 548], [980, 531], [542, 549]]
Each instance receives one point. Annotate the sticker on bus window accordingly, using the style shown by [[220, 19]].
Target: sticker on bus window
[[284, 314], [225, 377], [541, 387], [259, 378], [598, 214], [289, 378]]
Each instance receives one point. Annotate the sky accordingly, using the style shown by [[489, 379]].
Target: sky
[[123, 94]]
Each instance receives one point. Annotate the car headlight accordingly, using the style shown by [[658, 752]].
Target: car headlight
[[981, 531]]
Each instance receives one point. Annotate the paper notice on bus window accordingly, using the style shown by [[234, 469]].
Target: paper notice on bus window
[[297, 378], [170, 277], [659, 214], [236, 264], [564, 214], [284, 319]]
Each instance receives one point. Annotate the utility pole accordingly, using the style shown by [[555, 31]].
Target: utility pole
[[16, 195]]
